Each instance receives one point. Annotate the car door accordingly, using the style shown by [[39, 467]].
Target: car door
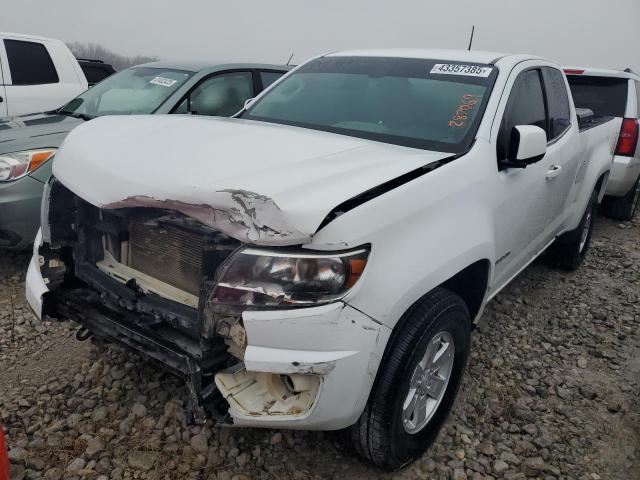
[[522, 219], [222, 94], [563, 151]]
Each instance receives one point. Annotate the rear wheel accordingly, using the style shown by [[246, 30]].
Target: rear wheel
[[570, 249], [623, 208], [417, 382]]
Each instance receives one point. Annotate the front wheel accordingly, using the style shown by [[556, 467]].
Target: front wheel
[[417, 382], [570, 249]]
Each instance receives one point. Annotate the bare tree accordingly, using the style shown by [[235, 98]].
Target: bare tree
[[95, 51]]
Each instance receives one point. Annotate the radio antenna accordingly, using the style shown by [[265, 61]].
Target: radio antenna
[[289, 59], [473, 29]]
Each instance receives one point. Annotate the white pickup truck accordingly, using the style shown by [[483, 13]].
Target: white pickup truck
[[319, 262], [37, 74]]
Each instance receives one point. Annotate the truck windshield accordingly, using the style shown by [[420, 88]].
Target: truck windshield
[[428, 104], [605, 96], [137, 90]]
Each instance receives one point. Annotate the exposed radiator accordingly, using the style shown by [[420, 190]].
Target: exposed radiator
[[167, 253]]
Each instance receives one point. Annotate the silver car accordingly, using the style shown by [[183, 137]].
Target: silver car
[[28, 143]]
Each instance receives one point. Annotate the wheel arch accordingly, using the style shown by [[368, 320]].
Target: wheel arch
[[601, 185], [471, 284]]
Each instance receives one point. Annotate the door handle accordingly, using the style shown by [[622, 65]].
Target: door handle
[[1, 99], [553, 172]]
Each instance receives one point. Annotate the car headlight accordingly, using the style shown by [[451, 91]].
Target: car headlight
[[18, 164], [256, 277]]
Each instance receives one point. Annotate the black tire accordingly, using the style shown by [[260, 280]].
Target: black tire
[[623, 208], [570, 249], [379, 435]]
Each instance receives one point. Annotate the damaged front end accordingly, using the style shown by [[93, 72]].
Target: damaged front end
[[161, 283]]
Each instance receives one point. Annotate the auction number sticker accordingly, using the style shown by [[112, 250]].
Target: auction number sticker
[[464, 110], [458, 69], [165, 82]]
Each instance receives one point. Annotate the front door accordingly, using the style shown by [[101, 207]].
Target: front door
[[525, 217]]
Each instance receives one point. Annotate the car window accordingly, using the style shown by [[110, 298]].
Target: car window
[[605, 96], [419, 103], [137, 90], [95, 74], [221, 95], [30, 63], [525, 107], [269, 77], [557, 102]]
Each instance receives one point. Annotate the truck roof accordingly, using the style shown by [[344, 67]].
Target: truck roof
[[27, 36], [601, 72], [474, 56]]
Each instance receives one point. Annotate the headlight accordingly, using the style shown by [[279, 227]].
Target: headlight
[[18, 164], [271, 278]]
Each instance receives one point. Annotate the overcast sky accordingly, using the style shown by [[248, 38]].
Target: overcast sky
[[582, 32]]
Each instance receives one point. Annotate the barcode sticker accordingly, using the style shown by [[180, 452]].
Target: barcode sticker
[[458, 69], [165, 82]]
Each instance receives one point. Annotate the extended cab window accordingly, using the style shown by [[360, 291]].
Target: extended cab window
[[429, 104], [557, 102], [525, 107], [221, 95], [29, 63]]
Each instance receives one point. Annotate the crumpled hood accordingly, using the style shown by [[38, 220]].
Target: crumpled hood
[[261, 183]]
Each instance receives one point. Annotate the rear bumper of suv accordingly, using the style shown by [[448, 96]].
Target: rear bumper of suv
[[623, 176]]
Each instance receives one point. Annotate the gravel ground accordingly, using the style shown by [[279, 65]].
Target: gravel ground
[[551, 392]]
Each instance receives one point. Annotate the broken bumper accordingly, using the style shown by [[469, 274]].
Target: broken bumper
[[335, 342], [35, 286], [336, 346]]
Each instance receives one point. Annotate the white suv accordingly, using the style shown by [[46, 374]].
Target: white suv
[[614, 93]]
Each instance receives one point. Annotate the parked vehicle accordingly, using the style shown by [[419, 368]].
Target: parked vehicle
[[28, 143], [95, 70], [319, 261], [615, 93], [37, 74]]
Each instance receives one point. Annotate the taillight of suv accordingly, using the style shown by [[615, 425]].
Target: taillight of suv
[[628, 140]]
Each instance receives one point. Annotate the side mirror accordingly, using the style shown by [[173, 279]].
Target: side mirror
[[528, 145], [247, 102]]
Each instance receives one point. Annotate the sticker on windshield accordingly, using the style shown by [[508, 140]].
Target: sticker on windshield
[[464, 110], [165, 82], [458, 69]]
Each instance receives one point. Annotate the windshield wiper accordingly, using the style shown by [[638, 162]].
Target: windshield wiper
[[81, 116]]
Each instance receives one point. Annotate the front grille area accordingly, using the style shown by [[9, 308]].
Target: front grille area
[[167, 253], [105, 262]]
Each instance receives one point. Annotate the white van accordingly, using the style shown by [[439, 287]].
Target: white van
[[36, 74]]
